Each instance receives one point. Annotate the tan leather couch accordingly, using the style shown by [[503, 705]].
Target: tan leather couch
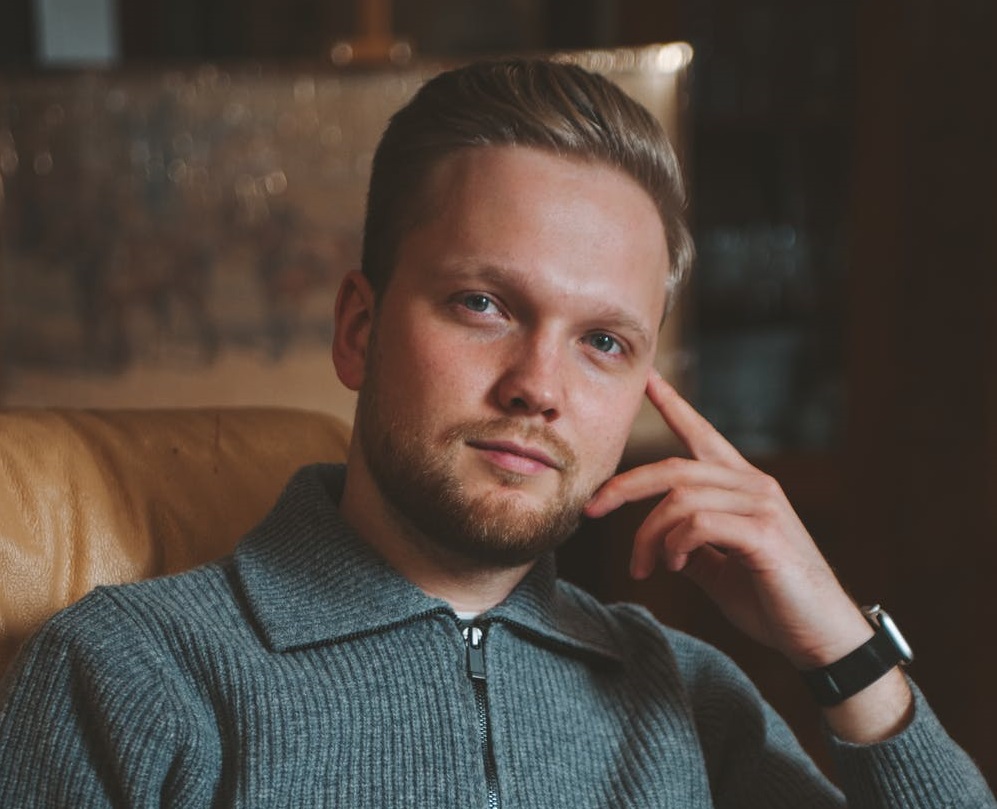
[[98, 497]]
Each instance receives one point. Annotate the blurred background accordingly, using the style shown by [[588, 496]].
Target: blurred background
[[840, 328]]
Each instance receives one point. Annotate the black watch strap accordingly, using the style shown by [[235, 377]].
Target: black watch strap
[[833, 684]]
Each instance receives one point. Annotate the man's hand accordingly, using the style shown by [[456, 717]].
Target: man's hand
[[729, 527]]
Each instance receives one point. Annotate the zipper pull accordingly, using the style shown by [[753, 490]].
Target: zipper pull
[[475, 638]]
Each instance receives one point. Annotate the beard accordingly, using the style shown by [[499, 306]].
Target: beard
[[418, 479]]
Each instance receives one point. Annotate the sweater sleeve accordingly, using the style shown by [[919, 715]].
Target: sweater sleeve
[[761, 765], [754, 760], [921, 767], [89, 717]]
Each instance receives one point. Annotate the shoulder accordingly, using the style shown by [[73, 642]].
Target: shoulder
[[81, 682], [742, 738], [699, 663], [118, 628], [197, 597], [703, 678], [641, 638], [192, 597]]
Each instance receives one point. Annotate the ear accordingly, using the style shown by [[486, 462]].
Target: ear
[[351, 333]]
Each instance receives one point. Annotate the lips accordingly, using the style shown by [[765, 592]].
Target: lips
[[511, 448]]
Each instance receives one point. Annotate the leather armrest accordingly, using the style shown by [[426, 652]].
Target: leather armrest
[[100, 497]]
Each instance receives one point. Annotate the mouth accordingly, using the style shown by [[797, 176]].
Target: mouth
[[517, 457]]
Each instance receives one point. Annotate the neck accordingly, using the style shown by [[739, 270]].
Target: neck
[[466, 585]]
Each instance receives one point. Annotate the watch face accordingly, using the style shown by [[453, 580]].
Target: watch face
[[890, 628]]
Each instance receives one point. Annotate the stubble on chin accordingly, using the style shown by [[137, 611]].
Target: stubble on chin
[[419, 481]]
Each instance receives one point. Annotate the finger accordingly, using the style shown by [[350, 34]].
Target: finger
[[705, 567], [699, 436], [722, 531], [680, 504], [657, 479]]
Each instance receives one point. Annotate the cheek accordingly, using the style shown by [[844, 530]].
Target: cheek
[[428, 367], [605, 425]]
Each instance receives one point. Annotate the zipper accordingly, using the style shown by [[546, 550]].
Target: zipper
[[474, 637]]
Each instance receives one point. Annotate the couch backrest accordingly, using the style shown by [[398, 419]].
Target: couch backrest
[[100, 497]]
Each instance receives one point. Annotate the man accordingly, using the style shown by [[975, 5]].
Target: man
[[393, 633]]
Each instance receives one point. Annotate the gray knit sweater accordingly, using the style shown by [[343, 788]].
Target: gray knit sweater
[[304, 672]]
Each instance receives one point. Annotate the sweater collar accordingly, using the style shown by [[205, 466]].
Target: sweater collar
[[309, 579]]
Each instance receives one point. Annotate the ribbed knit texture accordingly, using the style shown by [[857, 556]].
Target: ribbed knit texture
[[304, 672]]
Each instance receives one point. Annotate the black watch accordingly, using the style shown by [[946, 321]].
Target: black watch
[[884, 651]]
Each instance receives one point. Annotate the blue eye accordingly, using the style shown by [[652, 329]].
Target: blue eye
[[477, 303], [604, 343]]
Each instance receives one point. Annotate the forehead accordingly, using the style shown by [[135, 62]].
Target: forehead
[[468, 163], [567, 225]]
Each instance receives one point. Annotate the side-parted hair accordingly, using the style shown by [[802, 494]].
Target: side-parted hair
[[557, 107]]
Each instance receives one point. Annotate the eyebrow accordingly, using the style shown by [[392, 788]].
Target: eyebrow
[[618, 318]]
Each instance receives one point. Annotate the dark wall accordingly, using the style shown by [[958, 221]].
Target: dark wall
[[178, 30], [153, 30], [922, 452], [17, 44]]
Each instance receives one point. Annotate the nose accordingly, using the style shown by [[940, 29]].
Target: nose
[[532, 381]]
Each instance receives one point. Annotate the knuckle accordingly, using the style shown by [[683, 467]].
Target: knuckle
[[610, 487], [679, 497], [768, 512], [672, 462], [700, 522], [672, 466], [769, 486], [616, 487]]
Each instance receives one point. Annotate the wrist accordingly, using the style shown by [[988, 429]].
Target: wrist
[[875, 714], [839, 635], [882, 651]]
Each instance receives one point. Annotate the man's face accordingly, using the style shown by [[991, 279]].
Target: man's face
[[510, 350]]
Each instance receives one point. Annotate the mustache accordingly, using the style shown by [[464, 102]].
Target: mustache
[[509, 429]]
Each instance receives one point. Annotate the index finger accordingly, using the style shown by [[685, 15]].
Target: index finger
[[699, 436]]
